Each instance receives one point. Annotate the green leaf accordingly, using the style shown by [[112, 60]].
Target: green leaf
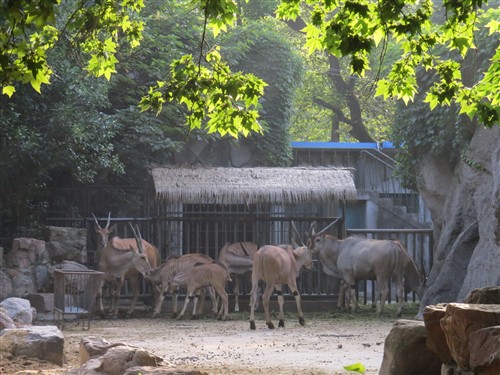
[[8, 90], [356, 367]]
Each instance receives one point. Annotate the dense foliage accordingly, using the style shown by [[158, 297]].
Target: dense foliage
[[84, 131], [345, 28], [248, 49], [444, 132]]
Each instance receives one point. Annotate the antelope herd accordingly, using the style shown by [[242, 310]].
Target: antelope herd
[[350, 260]]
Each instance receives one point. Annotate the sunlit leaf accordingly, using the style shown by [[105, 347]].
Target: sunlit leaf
[[356, 367], [8, 90]]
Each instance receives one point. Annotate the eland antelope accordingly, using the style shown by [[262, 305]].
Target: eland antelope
[[203, 275], [277, 265], [173, 274], [238, 258], [123, 259], [357, 258]]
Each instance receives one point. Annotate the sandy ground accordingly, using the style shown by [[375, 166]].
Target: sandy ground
[[327, 343]]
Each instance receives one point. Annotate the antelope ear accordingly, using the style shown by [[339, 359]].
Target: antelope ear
[[112, 228]]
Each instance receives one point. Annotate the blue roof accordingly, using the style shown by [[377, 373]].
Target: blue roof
[[342, 145]]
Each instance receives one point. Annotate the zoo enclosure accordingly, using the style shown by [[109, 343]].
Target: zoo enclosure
[[206, 230]]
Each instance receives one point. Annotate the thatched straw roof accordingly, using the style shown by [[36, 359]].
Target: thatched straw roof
[[253, 185]]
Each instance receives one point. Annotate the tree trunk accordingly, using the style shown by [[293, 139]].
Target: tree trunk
[[344, 87]]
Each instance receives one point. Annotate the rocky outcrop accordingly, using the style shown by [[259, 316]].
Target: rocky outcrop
[[454, 339], [43, 342], [465, 337], [19, 310], [5, 320], [100, 357], [406, 353], [27, 268], [464, 201]]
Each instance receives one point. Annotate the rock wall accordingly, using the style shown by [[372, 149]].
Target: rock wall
[[27, 267], [464, 203]]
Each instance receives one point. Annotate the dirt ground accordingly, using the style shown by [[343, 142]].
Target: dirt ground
[[327, 343]]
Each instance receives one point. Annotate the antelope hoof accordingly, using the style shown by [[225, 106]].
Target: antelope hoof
[[302, 322], [252, 325], [174, 315], [195, 317], [270, 325], [281, 323], [179, 317]]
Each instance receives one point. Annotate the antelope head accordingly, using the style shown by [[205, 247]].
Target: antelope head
[[103, 233], [140, 259]]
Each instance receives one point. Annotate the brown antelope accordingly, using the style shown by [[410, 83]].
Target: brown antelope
[[123, 259], [238, 259], [209, 274], [173, 274], [358, 258], [277, 265]]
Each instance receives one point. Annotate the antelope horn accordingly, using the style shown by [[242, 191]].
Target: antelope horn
[[109, 218], [96, 221], [138, 237], [311, 231], [328, 226], [297, 232]]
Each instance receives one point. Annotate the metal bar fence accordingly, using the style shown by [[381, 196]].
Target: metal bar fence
[[419, 244], [195, 233]]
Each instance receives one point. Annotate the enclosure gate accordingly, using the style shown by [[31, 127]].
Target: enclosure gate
[[75, 293]]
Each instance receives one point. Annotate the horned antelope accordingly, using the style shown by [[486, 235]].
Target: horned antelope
[[209, 274], [173, 274], [238, 258], [123, 259], [277, 265], [357, 258]]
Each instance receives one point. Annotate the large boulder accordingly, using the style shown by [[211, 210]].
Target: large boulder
[[436, 339], [487, 295], [19, 310], [43, 342], [93, 347], [67, 243], [460, 321], [23, 283], [406, 353], [100, 357], [5, 320], [25, 252], [65, 233], [484, 348], [67, 250]]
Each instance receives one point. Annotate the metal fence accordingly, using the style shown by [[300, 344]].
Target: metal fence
[[418, 242], [207, 233]]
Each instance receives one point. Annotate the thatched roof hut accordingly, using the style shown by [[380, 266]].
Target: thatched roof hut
[[253, 185]]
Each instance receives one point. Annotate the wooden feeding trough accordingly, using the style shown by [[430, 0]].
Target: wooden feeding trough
[[74, 294]]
